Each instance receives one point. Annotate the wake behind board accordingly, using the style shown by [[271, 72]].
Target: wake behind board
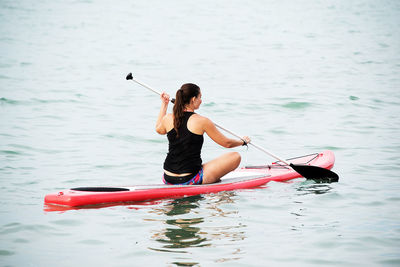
[[243, 178]]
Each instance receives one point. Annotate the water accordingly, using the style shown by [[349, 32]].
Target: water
[[298, 77]]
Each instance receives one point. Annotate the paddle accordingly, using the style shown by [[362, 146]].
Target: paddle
[[307, 171]]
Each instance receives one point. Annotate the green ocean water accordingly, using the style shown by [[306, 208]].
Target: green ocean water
[[298, 77]]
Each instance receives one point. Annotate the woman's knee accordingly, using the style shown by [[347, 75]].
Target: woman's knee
[[235, 158], [232, 161], [217, 168]]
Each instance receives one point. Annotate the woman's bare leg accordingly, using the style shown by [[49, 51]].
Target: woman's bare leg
[[216, 168]]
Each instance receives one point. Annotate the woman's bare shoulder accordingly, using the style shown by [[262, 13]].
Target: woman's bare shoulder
[[202, 120], [199, 117]]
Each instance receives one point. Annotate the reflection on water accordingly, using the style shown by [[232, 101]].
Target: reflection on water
[[310, 187], [185, 226], [303, 212], [182, 205], [129, 204], [180, 232], [184, 236]]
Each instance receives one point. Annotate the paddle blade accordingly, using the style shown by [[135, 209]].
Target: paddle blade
[[315, 173]]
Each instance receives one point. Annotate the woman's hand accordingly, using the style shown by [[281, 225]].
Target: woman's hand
[[246, 140], [164, 98]]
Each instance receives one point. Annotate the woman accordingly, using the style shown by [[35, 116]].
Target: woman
[[185, 129]]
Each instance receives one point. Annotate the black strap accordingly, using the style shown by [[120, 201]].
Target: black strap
[[244, 143]]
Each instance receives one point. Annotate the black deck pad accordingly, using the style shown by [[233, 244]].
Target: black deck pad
[[100, 189]]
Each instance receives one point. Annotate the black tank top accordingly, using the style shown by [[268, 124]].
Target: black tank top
[[184, 151]]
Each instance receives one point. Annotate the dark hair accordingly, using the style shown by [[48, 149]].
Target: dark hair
[[183, 97]]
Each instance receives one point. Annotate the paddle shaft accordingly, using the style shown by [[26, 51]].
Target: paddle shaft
[[130, 77]]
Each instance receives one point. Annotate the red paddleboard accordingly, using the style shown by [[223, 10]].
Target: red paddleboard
[[242, 178]]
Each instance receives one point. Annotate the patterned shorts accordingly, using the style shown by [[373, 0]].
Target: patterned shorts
[[197, 179]]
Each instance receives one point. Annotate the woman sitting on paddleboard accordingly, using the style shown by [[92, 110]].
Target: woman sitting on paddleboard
[[185, 130]]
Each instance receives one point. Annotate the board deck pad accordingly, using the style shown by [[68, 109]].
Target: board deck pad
[[227, 180]]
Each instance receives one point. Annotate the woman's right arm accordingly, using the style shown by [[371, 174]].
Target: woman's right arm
[[219, 138], [160, 127]]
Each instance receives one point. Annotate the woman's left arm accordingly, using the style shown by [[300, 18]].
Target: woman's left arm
[[219, 138]]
